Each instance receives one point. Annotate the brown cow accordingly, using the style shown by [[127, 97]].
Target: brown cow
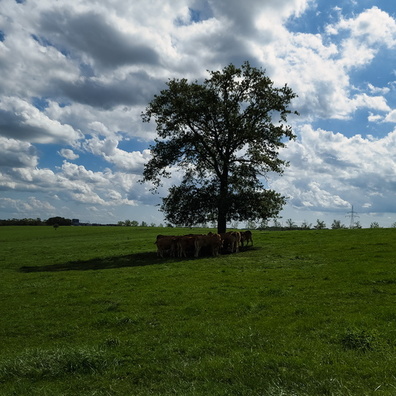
[[231, 241], [211, 241], [246, 236], [186, 245], [166, 245]]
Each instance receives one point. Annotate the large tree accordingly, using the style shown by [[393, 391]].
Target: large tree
[[221, 135]]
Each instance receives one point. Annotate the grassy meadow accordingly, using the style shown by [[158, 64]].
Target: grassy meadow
[[93, 311]]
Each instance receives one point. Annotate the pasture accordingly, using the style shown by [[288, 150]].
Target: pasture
[[94, 311]]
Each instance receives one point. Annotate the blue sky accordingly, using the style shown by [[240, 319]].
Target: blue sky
[[77, 75]]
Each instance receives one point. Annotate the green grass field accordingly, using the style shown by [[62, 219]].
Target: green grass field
[[93, 311]]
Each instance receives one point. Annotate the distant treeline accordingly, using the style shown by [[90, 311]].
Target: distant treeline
[[37, 222], [52, 221], [264, 226], [61, 221]]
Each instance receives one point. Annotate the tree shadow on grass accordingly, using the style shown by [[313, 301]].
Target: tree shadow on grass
[[132, 260]]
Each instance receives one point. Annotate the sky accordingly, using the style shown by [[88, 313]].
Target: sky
[[76, 75]]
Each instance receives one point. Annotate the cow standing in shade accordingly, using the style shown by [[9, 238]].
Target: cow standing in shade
[[231, 241], [186, 245], [246, 236], [166, 245], [212, 242]]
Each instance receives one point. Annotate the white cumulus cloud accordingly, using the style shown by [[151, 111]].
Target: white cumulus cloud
[[68, 154]]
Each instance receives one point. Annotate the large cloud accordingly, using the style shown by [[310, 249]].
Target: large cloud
[[96, 37], [329, 171], [131, 89], [17, 154], [25, 207], [72, 182], [123, 160], [106, 58], [21, 120], [319, 66], [246, 16], [371, 27]]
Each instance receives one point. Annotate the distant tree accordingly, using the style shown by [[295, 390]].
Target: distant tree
[[34, 222], [134, 223], [152, 224], [393, 225], [22, 222], [120, 223], [277, 223], [127, 223], [337, 225], [222, 136], [290, 224], [143, 224], [356, 225], [305, 225], [56, 226], [61, 221], [374, 224], [320, 225]]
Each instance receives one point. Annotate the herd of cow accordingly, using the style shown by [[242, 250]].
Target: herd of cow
[[193, 245]]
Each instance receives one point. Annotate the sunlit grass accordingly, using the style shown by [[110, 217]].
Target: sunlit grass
[[92, 310]]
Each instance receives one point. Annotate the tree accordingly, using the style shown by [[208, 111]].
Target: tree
[[59, 221], [221, 135], [336, 225], [277, 224], [290, 224], [374, 224], [320, 225], [357, 225]]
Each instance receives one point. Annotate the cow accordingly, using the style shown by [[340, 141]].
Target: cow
[[166, 245], [246, 236], [186, 245], [212, 242], [231, 241]]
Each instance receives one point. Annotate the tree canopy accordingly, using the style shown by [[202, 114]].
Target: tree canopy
[[220, 134]]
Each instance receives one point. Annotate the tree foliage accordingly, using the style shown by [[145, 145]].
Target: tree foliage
[[59, 221], [220, 134]]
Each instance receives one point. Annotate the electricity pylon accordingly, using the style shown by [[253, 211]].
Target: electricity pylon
[[352, 214]]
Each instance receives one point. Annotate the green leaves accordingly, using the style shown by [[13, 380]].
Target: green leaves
[[212, 130]]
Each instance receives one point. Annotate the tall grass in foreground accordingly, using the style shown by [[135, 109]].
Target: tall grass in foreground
[[93, 311]]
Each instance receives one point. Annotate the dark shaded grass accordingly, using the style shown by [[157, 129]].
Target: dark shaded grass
[[131, 260]]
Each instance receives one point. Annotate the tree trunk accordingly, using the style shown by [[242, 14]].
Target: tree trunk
[[222, 209], [222, 221]]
